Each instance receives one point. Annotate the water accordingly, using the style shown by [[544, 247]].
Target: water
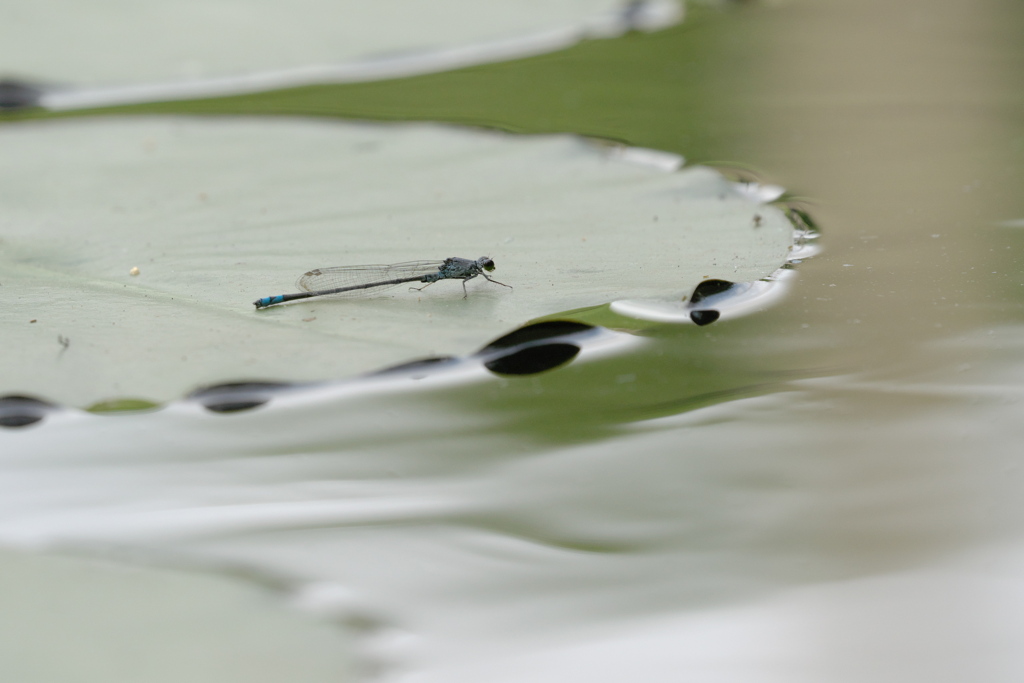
[[827, 490]]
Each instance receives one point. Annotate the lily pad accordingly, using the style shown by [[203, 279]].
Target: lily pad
[[131, 251], [245, 45]]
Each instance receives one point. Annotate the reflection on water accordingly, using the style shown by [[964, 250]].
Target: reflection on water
[[517, 521], [489, 516], [824, 491]]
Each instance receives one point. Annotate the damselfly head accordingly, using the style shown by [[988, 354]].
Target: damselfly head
[[486, 263]]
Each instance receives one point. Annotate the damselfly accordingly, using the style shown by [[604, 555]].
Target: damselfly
[[360, 280]]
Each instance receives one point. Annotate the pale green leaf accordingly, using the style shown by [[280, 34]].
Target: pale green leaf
[[215, 214]]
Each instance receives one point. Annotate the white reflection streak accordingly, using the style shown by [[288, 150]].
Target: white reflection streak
[[651, 158], [746, 299], [191, 522], [764, 193]]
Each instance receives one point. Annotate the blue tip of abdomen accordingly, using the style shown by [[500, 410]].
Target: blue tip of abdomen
[[268, 301]]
